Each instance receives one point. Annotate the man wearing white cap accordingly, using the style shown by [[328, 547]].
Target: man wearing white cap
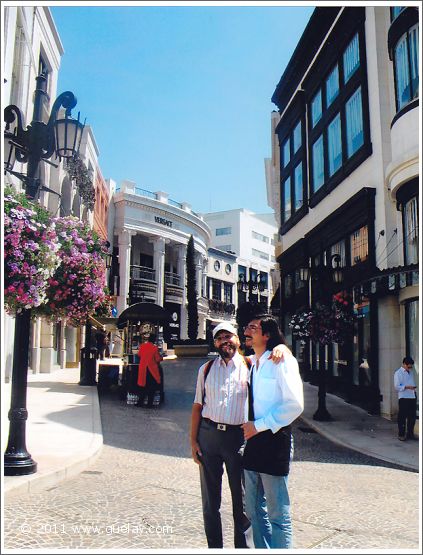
[[216, 435]]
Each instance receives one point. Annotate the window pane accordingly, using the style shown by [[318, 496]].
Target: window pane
[[287, 199], [411, 232], [316, 108], [339, 248], [351, 58], [286, 152], [354, 121], [223, 231], [359, 246], [318, 164], [402, 73], [334, 145], [298, 175], [332, 86], [297, 137], [414, 60]]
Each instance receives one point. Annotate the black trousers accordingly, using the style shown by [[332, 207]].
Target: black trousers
[[221, 448], [406, 416]]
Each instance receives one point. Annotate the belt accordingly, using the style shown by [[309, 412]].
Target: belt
[[222, 427]]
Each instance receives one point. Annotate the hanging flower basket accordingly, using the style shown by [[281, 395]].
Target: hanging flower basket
[[326, 324], [30, 252], [76, 289]]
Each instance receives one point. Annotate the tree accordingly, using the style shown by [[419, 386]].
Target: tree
[[192, 307]]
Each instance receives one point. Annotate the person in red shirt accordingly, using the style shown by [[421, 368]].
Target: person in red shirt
[[149, 375]]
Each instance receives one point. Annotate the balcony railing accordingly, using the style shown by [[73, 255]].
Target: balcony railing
[[172, 279], [221, 307], [143, 273]]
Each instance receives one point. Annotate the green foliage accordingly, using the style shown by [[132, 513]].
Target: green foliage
[[192, 307]]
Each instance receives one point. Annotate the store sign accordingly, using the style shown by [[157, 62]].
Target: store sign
[[163, 221]]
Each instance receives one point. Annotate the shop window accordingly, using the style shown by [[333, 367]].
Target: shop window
[[406, 61], [412, 339], [288, 286], [411, 231], [359, 246], [339, 248]]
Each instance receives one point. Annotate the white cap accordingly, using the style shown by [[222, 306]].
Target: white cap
[[224, 326]]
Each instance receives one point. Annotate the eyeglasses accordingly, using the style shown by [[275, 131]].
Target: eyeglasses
[[251, 327]]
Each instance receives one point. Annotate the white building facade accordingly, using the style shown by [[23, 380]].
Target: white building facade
[[251, 238], [150, 237]]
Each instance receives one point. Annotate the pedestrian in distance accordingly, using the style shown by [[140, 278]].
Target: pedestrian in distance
[[405, 385], [216, 435], [149, 372], [275, 401]]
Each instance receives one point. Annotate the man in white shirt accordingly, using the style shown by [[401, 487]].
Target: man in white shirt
[[407, 399], [275, 401]]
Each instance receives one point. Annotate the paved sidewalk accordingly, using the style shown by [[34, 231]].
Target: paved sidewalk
[[63, 431], [64, 434]]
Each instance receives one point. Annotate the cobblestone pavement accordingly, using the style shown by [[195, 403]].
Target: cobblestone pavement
[[143, 491]]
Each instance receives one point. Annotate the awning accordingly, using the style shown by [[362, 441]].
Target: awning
[[94, 322], [149, 312], [108, 323]]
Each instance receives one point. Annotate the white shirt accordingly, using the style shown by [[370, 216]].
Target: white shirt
[[277, 392], [226, 390], [402, 378]]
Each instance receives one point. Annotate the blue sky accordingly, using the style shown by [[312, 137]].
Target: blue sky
[[179, 97]]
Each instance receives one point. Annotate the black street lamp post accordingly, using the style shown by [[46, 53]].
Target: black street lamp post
[[38, 142], [325, 275]]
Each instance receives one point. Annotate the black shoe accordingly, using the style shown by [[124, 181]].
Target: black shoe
[[413, 437], [401, 438]]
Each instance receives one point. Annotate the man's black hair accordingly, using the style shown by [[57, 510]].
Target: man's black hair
[[270, 325], [407, 360]]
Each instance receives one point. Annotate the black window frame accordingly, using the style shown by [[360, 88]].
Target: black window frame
[[285, 131], [338, 106]]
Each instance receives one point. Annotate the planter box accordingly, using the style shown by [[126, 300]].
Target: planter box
[[191, 350]]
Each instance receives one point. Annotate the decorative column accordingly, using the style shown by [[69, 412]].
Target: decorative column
[[125, 245], [182, 254], [201, 312], [159, 244]]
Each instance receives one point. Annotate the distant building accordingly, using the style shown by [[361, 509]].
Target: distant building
[[251, 238], [343, 180]]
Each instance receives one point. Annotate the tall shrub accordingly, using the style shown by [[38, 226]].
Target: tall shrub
[[192, 307]]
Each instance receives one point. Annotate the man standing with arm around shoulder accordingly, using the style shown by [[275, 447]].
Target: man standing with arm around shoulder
[[407, 399], [275, 401]]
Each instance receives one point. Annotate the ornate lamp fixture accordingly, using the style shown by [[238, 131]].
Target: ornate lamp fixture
[[331, 272], [39, 141]]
